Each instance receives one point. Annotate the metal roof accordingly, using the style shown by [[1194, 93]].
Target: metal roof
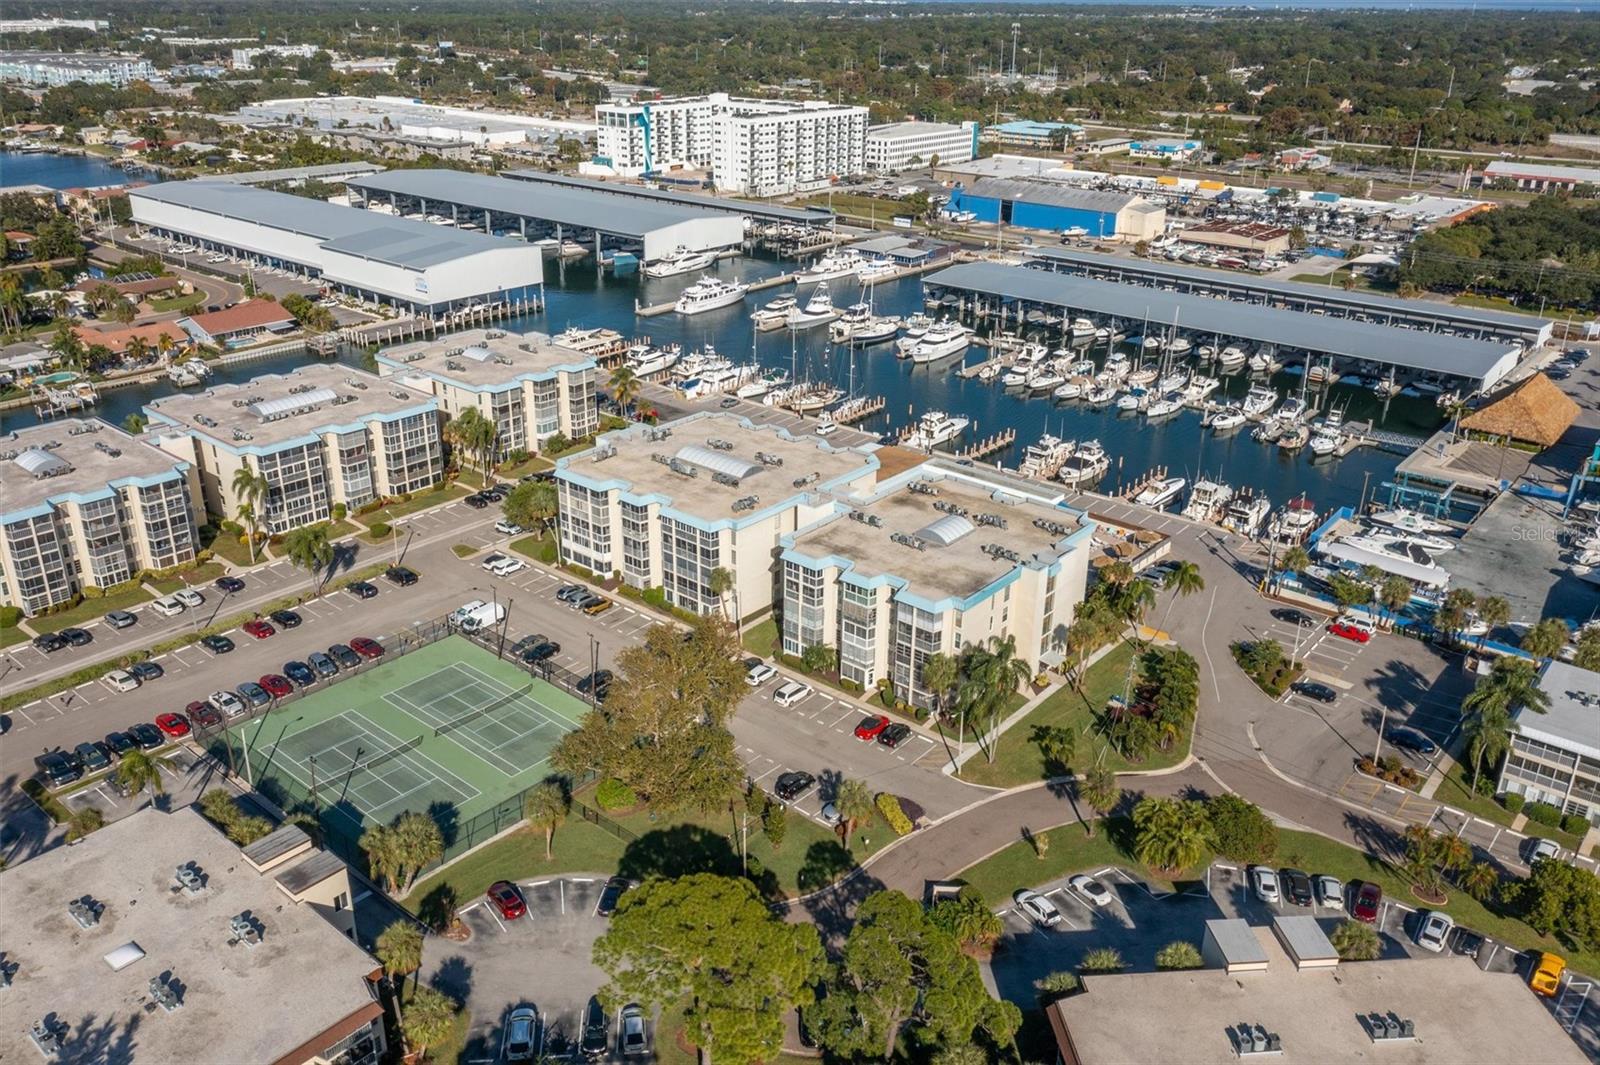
[[946, 530], [1052, 193], [568, 206], [1303, 939], [396, 241], [1570, 722], [1237, 941], [703, 201], [1269, 289], [1511, 169], [272, 408], [1408, 348], [719, 461]]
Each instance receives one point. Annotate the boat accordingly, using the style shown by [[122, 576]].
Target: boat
[[1434, 545], [710, 294], [597, 343], [1199, 388], [817, 310], [1044, 379], [917, 325], [830, 267], [1206, 500], [935, 428], [1160, 492], [1388, 388], [1246, 512], [1261, 362], [646, 361], [1067, 390], [1292, 524], [876, 330], [1326, 440], [1164, 406], [1269, 431], [1231, 357], [874, 269], [1143, 378], [762, 383], [1081, 327], [1399, 550], [571, 249], [1133, 399], [941, 342], [1178, 346], [1086, 465], [1043, 458], [681, 261], [1100, 395], [1407, 521], [1228, 418], [1118, 363], [844, 327], [773, 314], [1295, 436]]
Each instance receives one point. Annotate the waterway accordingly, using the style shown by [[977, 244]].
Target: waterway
[[579, 295], [64, 171]]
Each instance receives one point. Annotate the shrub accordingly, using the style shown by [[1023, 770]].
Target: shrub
[[613, 794], [84, 821], [1058, 984], [1576, 824], [1179, 955], [889, 807], [232, 528], [249, 828], [1356, 941], [775, 824], [10, 616], [1243, 832], [218, 807], [1512, 802], [1101, 960], [339, 511], [819, 657], [1543, 813], [380, 529]]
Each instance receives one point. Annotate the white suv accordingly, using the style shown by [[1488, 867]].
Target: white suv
[[228, 703], [791, 693], [167, 606], [189, 597], [759, 674]]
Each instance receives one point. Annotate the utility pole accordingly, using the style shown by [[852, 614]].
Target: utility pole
[[1016, 33], [1383, 722]]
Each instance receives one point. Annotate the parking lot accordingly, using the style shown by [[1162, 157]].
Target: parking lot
[[541, 959]]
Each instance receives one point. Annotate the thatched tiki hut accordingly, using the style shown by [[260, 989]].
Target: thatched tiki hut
[[1535, 412]]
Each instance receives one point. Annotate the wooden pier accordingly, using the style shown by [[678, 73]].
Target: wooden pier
[[858, 411], [1139, 485], [984, 448], [976, 368]]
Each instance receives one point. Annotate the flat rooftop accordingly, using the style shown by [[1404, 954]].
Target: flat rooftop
[[239, 1004], [370, 112], [1514, 550], [953, 562], [275, 408], [484, 360], [1463, 1015], [770, 211], [1574, 709], [42, 464], [1051, 193], [625, 459]]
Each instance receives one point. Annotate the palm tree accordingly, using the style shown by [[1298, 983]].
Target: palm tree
[[13, 302], [1183, 581], [1134, 600], [1294, 560], [1100, 790], [1488, 727], [1453, 615], [164, 346], [428, 1020], [853, 800], [1493, 611], [400, 951], [543, 503], [139, 772], [419, 843], [1393, 595], [136, 349], [249, 488], [1173, 834], [309, 548], [473, 434], [1056, 745], [625, 387], [721, 584], [381, 846], [545, 807], [994, 674], [135, 423], [940, 673], [1547, 638]]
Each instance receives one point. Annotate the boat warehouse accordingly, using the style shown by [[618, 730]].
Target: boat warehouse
[[424, 268], [1389, 349], [535, 210]]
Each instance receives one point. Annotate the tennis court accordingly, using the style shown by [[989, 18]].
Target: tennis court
[[449, 730]]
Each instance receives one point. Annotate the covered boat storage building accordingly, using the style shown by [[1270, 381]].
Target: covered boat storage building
[[815, 217], [530, 210], [423, 268], [1017, 289]]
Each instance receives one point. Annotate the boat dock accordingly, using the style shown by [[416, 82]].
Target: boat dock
[[989, 446], [858, 410], [1139, 485], [783, 279], [974, 369]]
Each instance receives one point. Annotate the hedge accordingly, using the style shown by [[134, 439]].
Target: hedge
[[10, 616], [52, 806], [379, 529], [1543, 813], [613, 794], [889, 807], [1512, 802]]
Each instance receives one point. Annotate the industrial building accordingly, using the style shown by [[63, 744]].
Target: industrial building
[[1428, 315], [424, 268], [754, 210], [930, 561], [408, 118], [1056, 208], [156, 939], [668, 506], [505, 205], [1033, 136], [85, 505], [55, 69], [529, 387], [319, 436], [1253, 238], [1555, 756], [899, 146], [1475, 364], [1167, 150], [1541, 177], [749, 146]]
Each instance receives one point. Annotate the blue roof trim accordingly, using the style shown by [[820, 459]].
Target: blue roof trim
[[309, 437], [532, 376], [179, 470]]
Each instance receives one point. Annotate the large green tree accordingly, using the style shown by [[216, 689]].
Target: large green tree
[[1171, 835]]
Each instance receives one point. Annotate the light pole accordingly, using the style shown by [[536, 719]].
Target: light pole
[[1383, 722]]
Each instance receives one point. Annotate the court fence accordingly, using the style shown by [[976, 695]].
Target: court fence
[[229, 741]]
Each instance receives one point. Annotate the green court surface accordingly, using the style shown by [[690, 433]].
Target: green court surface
[[448, 730]]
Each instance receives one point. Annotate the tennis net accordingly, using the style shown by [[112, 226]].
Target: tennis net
[[473, 715], [389, 755]]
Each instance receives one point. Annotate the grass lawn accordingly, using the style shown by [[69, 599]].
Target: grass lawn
[[178, 303], [579, 848], [762, 638], [1500, 303], [233, 548], [11, 636], [542, 548], [1069, 850], [420, 501], [90, 609], [202, 574], [531, 464]]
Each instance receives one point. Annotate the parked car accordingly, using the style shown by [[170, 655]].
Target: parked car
[[633, 1041], [120, 680], [1290, 616], [1329, 891], [228, 702], [1540, 849], [1369, 897], [400, 576], [147, 736], [1545, 975], [568, 592], [1264, 884], [120, 743], [1409, 739], [76, 637], [325, 666], [1313, 690], [204, 715], [173, 726], [791, 693], [612, 894], [1038, 909], [217, 645], [92, 756], [147, 671], [276, 685], [1347, 631], [189, 597], [894, 735], [466, 610], [362, 589], [120, 619], [595, 605], [253, 694], [285, 619], [1090, 890], [1433, 930], [523, 1035], [759, 673], [507, 900], [869, 728], [366, 647], [596, 1030], [49, 642], [230, 585], [507, 528], [507, 566], [477, 501], [541, 651], [1296, 886], [344, 655], [168, 606], [300, 673], [792, 785], [58, 768], [598, 682], [259, 629]]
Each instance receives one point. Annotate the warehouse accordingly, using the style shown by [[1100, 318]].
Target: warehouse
[[411, 119], [1538, 177], [752, 209], [1255, 238], [423, 268], [504, 205], [1040, 205], [1167, 150], [899, 145]]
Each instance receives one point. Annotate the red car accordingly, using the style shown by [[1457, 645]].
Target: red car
[[505, 897], [870, 727], [1367, 902], [366, 648], [277, 686], [259, 629], [175, 726], [1350, 632], [203, 714]]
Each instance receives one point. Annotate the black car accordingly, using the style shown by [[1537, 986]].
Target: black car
[[147, 736], [596, 1030], [217, 645], [611, 895], [1290, 616], [598, 682], [477, 501], [541, 651], [77, 637], [342, 654], [1312, 690], [568, 592], [1296, 886], [400, 576], [527, 642], [92, 756], [1466, 942], [325, 666], [1558, 373], [894, 735], [495, 493], [230, 585], [300, 673], [49, 642], [791, 786], [119, 743], [284, 619], [362, 589], [1409, 739], [58, 768], [147, 670]]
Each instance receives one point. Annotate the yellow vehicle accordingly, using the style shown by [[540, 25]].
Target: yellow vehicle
[[1546, 976], [599, 606]]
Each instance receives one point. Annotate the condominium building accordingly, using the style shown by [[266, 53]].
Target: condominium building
[[750, 146], [85, 505], [321, 435], [931, 561], [529, 386], [1167, 149], [1555, 756], [901, 145], [666, 507], [55, 69]]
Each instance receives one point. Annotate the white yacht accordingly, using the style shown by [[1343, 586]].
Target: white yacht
[[1231, 357], [1291, 525], [917, 325], [709, 294], [1143, 378], [941, 342], [1042, 458], [1293, 410], [876, 330], [1067, 390], [1261, 362], [1326, 440], [1100, 395], [1157, 494], [1206, 500], [1258, 401], [1434, 545], [816, 310], [831, 266], [1401, 550], [1200, 388], [1246, 513], [1086, 465], [1081, 327], [1044, 379], [1133, 399], [875, 269], [844, 327], [681, 261], [935, 428], [1228, 418], [646, 361], [1408, 521], [1164, 406]]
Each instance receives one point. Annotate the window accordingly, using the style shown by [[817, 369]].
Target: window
[[341, 902]]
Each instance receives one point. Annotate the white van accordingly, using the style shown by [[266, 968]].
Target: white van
[[465, 610], [487, 616], [167, 607], [791, 693]]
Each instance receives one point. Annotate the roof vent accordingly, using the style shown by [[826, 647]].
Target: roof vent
[[725, 478], [46, 1035], [1054, 528], [720, 444], [950, 508], [124, 956], [245, 929], [188, 878], [996, 520], [922, 488], [165, 993], [1388, 1027], [656, 434], [1252, 1040], [767, 459], [86, 911], [907, 541], [746, 503]]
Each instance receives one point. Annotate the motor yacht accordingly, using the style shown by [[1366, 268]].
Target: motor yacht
[[710, 294], [941, 342], [935, 428], [1159, 493], [1246, 512], [1206, 500], [681, 261], [1293, 523], [1231, 357], [816, 310], [831, 266], [1085, 466], [1067, 390], [1408, 521], [1228, 419]]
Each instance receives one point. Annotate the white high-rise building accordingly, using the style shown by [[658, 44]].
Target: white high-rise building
[[902, 145], [756, 147]]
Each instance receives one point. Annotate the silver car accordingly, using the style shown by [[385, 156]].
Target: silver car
[[1037, 908], [522, 1039], [633, 1041]]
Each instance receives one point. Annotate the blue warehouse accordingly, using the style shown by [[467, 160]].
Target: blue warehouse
[[1059, 208]]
